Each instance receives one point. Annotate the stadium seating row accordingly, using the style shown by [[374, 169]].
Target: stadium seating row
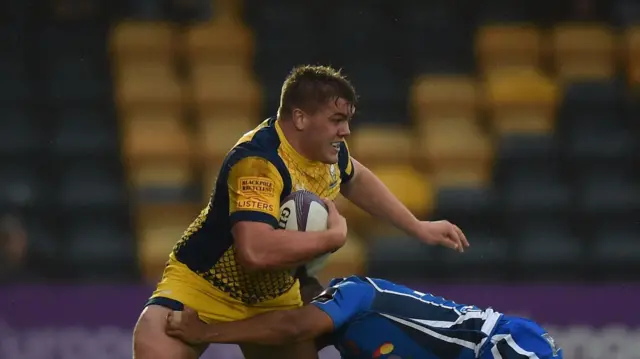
[[163, 75], [571, 51], [185, 94]]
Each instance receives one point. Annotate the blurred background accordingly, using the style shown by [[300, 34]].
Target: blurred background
[[517, 120]]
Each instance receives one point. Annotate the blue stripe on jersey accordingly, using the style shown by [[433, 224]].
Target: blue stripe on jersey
[[426, 309], [410, 306], [440, 348], [435, 323]]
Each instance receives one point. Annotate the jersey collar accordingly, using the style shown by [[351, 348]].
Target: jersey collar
[[289, 149]]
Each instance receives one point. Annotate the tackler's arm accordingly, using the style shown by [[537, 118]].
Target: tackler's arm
[[272, 328]]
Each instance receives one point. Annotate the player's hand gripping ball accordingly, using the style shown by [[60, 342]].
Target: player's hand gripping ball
[[305, 211]]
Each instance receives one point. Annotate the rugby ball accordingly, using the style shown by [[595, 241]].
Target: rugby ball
[[305, 211]]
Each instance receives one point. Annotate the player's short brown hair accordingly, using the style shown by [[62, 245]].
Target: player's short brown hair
[[309, 87]]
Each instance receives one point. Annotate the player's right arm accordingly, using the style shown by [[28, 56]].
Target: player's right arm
[[255, 186]]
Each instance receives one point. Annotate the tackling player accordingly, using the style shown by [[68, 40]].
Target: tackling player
[[373, 318], [233, 262]]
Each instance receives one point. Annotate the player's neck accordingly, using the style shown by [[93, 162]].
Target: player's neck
[[293, 138]]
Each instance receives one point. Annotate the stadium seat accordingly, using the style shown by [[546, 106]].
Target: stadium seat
[[273, 23], [45, 247], [520, 148], [507, 12], [22, 184], [456, 151], [535, 190], [443, 96], [592, 124], [587, 96], [383, 93], [584, 51], [231, 9], [228, 86], [189, 11], [608, 192], [616, 251], [20, 133], [89, 185], [72, 79], [434, 25], [375, 144], [375, 35], [625, 13], [524, 149], [76, 10], [223, 41], [210, 174], [217, 134], [152, 84], [79, 40], [85, 133], [598, 137], [141, 41], [277, 48], [145, 11], [14, 87], [410, 186], [487, 246], [548, 243], [100, 248], [521, 101], [632, 54], [400, 258], [468, 207], [159, 227], [507, 46], [157, 134], [157, 149], [549, 249]]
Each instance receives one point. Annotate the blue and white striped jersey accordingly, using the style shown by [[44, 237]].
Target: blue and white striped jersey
[[375, 318]]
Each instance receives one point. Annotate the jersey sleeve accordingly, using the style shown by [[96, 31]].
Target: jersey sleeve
[[344, 301], [345, 163], [255, 186]]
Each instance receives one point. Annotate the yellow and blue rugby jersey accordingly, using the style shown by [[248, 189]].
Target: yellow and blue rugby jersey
[[256, 175]]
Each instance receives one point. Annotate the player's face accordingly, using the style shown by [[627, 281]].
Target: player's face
[[328, 128]]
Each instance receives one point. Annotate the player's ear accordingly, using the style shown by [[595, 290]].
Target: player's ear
[[299, 119]]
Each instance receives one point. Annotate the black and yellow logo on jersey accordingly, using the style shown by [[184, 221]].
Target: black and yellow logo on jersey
[[258, 186]]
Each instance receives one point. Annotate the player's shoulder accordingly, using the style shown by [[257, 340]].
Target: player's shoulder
[[353, 285], [261, 142], [264, 137], [351, 288], [352, 280]]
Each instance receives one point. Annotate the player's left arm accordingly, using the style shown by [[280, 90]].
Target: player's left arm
[[273, 328], [368, 192], [365, 190]]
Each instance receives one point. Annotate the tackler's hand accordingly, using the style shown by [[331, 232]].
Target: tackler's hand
[[441, 233], [186, 326]]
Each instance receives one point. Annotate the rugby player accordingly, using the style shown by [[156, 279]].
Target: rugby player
[[373, 318], [233, 262]]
